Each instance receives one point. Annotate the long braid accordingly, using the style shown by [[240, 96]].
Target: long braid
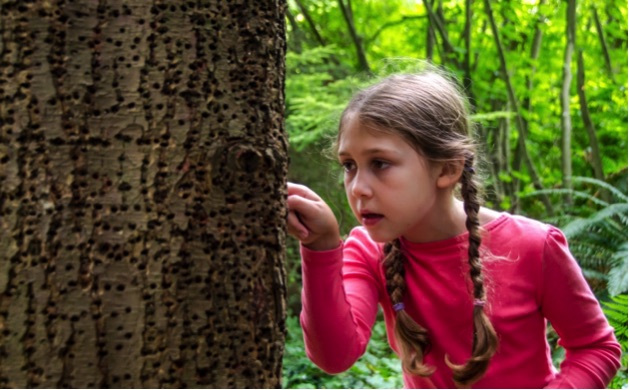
[[411, 338], [485, 340]]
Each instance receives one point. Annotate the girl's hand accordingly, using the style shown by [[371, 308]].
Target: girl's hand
[[310, 220]]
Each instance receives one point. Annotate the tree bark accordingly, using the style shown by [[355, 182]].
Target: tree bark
[[142, 219], [566, 120], [516, 108]]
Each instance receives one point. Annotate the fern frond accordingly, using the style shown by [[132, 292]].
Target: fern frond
[[579, 225], [613, 190]]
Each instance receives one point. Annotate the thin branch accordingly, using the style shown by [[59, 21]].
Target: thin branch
[[566, 120], [516, 108], [360, 51], [430, 41], [296, 32], [467, 81], [595, 155], [311, 23], [527, 105], [603, 41], [434, 21], [404, 19]]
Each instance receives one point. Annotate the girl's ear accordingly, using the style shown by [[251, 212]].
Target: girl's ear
[[450, 173]]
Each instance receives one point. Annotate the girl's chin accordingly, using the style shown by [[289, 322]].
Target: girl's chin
[[379, 236]]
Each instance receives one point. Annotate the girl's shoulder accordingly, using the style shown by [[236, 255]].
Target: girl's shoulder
[[519, 231]]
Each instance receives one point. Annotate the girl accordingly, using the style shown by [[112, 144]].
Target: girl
[[458, 313]]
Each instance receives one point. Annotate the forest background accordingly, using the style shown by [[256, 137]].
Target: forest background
[[547, 80]]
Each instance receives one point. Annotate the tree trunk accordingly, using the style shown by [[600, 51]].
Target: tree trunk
[[566, 120], [142, 219]]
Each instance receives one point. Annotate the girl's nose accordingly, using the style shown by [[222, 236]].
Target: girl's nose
[[360, 186]]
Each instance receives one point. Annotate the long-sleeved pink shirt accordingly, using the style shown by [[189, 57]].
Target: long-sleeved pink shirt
[[530, 277]]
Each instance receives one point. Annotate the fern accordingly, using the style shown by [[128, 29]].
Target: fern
[[616, 312], [598, 232]]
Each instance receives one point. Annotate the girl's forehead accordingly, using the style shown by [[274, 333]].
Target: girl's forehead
[[356, 136], [357, 129]]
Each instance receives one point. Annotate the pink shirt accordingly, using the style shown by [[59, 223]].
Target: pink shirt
[[531, 277]]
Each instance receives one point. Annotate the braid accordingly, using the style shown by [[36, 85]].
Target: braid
[[485, 340], [411, 338]]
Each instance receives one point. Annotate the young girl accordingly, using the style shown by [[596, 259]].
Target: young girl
[[466, 291]]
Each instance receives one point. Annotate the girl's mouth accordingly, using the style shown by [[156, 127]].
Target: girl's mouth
[[370, 219]]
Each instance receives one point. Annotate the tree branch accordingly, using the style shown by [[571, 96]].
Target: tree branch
[[595, 156], [360, 51], [404, 19], [566, 120], [311, 23], [603, 41], [527, 105], [434, 21]]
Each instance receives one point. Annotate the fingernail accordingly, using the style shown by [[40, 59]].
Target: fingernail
[[303, 235]]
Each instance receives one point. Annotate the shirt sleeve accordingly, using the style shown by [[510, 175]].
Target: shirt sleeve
[[592, 352], [339, 305]]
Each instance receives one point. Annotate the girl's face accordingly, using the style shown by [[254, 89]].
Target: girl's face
[[391, 189]]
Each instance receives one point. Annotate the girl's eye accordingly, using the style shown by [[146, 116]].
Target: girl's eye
[[348, 166], [379, 164]]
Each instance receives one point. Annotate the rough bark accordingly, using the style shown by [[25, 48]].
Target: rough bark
[[142, 162]]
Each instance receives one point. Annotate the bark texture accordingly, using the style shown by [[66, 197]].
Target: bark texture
[[142, 170]]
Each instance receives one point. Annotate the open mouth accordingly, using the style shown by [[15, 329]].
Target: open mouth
[[370, 219]]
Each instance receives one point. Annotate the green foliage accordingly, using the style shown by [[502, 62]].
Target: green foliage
[[598, 239], [378, 368], [616, 312], [314, 97]]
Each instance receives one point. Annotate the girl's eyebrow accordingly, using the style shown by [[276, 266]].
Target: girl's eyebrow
[[367, 152]]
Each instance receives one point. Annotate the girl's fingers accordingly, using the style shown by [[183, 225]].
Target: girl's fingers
[[303, 191], [295, 227], [299, 204]]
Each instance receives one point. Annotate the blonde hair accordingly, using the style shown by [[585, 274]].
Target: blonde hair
[[431, 113]]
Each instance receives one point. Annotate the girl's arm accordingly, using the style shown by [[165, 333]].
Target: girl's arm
[[339, 302], [339, 306], [592, 352]]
